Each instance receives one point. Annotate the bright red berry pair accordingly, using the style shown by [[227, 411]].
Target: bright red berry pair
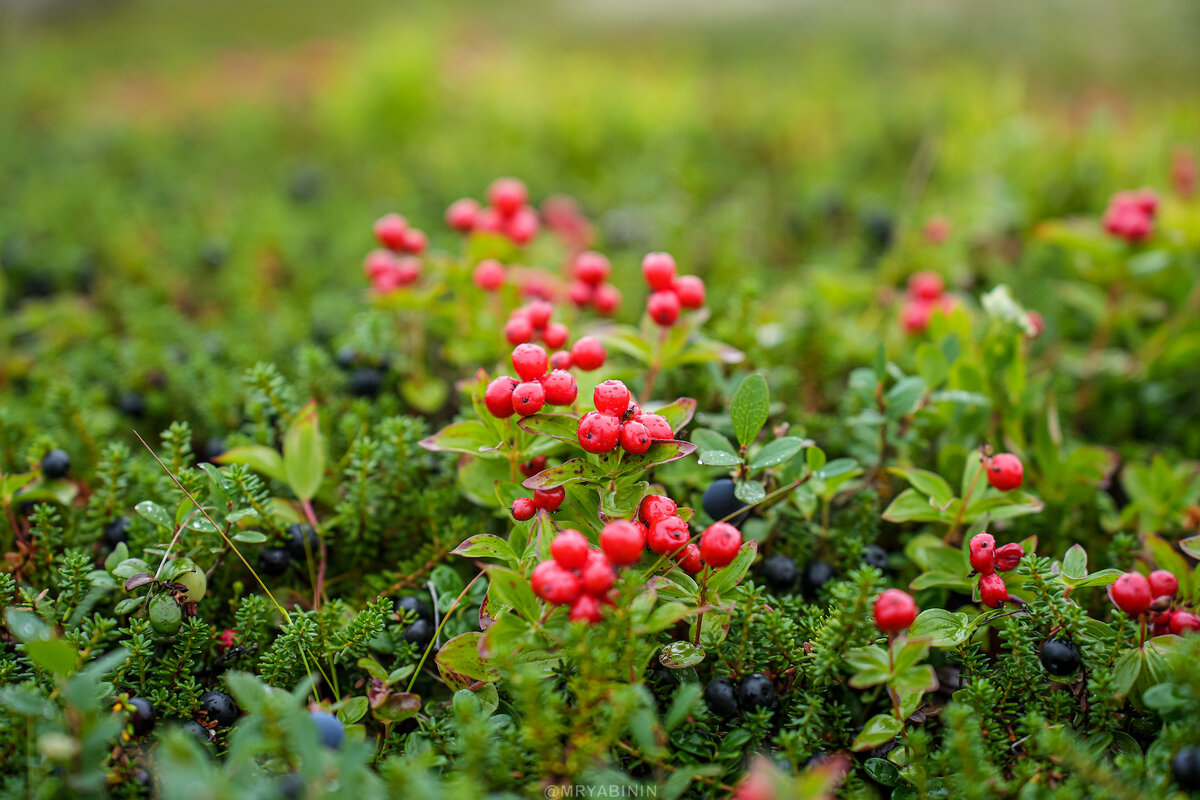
[[986, 558], [533, 320], [591, 287], [549, 500], [925, 295], [389, 272], [508, 213], [1004, 472], [393, 232], [1130, 215], [669, 294], [895, 610]]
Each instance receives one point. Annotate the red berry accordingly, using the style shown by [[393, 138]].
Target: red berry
[[389, 231], [1163, 584], [408, 269], [607, 299], [611, 397], [654, 507], [659, 271], [488, 275], [415, 241], [530, 361], [539, 313], [549, 499], [635, 438], [561, 389], [1009, 556], [690, 291], [225, 640], [1183, 621], [597, 573], [663, 308], [588, 354], [585, 609], [598, 433], [528, 398], [523, 226], [926, 286], [719, 544], [461, 214], [378, 262], [570, 548], [489, 220], [915, 317], [659, 428], [592, 268], [689, 559], [1146, 200], [1131, 593], [895, 610], [533, 466], [555, 584], [992, 590], [580, 293], [983, 553], [668, 534], [937, 230], [1004, 472], [499, 396], [518, 330], [507, 195], [523, 508], [555, 335], [623, 542], [561, 360]]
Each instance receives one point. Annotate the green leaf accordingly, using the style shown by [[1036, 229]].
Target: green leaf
[[932, 364], [513, 590], [677, 414], [1074, 563], [928, 483], [903, 398], [485, 545], [960, 397], [53, 655], [373, 668], [882, 771], [909, 506], [558, 426], [836, 468], [397, 707], [661, 452], [25, 625], [1169, 559], [780, 451], [469, 436], [681, 655], [262, 460], [879, 729], [910, 653], [664, 617], [943, 628], [1104, 577], [119, 554], [460, 664], [155, 513], [304, 453], [577, 469], [732, 573], [750, 408], [815, 458], [927, 580], [249, 537], [916, 679], [1125, 672], [750, 492], [353, 711], [718, 458], [705, 439]]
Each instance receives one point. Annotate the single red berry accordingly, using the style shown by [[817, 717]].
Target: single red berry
[[926, 286], [937, 230], [533, 466], [983, 553], [659, 428], [539, 313], [1131, 593], [659, 271], [580, 293], [1009, 556], [518, 330], [378, 262], [488, 275], [690, 291], [555, 335], [549, 499], [1005, 472], [523, 508], [719, 544], [690, 560], [895, 610], [585, 609], [588, 354], [561, 389], [1183, 621], [654, 507], [623, 542], [523, 226], [555, 584], [667, 535], [611, 397], [389, 231], [461, 214], [415, 241], [607, 299], [598, 433], [507, 195], [530, 361], [915, 317], [592, 268], [597, 573], [528, 398], [992, 590], [498, 397], [663, 308], [635, 438], [1163, 584], [225, 640], [570, 548], [561, 360]]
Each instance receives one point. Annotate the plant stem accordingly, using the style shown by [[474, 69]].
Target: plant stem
[[952, 534], [655, 366], [319, 584], [438, 632]]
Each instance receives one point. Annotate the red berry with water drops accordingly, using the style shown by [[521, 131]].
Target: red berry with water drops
[[549, 499], [719, 544], [635, 438], [659, 271], [389, 231], [659, 428], [488, 275], [895, 610], [983, 553], [561, 388], [530, 361], [663, 308], [623, 542], [507, 195], [528, 398], [461, 214], [598, 433], [523, 508], [611, 397], [570, 548], [555, 584], [654, 507], [992, 591], [667, 535], [498, 397], [1005, 472], [690, 291], [588, 354]]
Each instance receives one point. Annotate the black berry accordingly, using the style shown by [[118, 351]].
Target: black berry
[[366, 382], [816, 574], [1061, 657], [719, 501], [330, 728], [193, 728], [142, 716], [416, 605], [274, 561], [720, 696], [756, 692], [132, 404], [56, 464], [875, 556], [291, 786], [116, 532], [346, 358], [219, 707], [419, 633], [780, 573], [878, 229], [1186, 766], [302, 536], [213, 447]]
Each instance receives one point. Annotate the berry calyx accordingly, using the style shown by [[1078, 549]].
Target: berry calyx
[[663, 307], [549, 499], [659, 271], [561, 388], [570, 548], [1131, 592], [530, 361], [1005, 472], [588, 354], [992, 591], [488, 275], [719, 544], [635, 438], [1009, 556], [498, 397], [554, 583], [598, 433], [983, 553], [523, 508], [895, 610], [528, 398], [667, 535], [654, 507], [623, 542], [1162, 584], [611, 397]]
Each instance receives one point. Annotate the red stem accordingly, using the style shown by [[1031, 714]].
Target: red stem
[[319, 586]]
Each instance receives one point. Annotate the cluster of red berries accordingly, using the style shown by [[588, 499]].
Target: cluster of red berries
[[1004, 472], [987, 560], [669, 293], [895, 610], [618, 420], [591, 286], [1135, 594], [1130, 215], [399, 265], [926, 294], [666, 533], [538, 386], [507, 213], [548, 500], [532, 321], [577, 575]]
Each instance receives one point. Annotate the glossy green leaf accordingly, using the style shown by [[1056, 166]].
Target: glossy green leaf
[[263, 460], [879, 729], [304, 453], [750, 408], [779, 451]]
